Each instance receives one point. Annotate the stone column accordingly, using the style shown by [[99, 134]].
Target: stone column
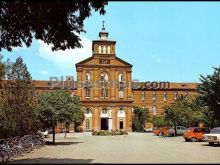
[[114, 118], [97, 119], [128, 117], [96, 84]]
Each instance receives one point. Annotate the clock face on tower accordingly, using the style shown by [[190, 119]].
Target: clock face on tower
[[104, 61]]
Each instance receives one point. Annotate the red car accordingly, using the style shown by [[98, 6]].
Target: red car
[[195, 134]]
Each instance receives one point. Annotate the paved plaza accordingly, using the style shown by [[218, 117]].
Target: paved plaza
[[132, 148]]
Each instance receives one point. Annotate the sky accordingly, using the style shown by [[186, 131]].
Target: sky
[[164, 41]]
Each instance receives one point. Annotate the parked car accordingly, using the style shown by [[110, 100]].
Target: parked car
[[194, 134], [156, 131], [179, 129], [160, 131], [58, 130], [213, 137], [148, 129]]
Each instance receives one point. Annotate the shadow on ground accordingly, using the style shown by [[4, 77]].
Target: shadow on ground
[[62, 143], [50, 161], [215, 145]]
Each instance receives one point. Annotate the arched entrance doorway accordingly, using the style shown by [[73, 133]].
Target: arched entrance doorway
[[106, 119]]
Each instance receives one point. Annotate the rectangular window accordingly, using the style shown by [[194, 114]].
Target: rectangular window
[[87, 92], [106, 92], [175, 95], [154, 96], [165, 96], [102, 92], [142, 96], [121, 94]]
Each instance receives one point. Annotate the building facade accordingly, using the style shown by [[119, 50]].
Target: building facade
[[107, 93]]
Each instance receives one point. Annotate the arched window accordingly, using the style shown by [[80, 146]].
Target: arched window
[[108, 49], [87, 124], [87, 76], [120, 77], [121, 112], [88, 111], [104, 111], [104, 85], [121, 85], [100, 49], [104, 49]]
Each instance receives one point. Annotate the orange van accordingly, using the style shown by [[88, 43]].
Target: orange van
[[195, 134]]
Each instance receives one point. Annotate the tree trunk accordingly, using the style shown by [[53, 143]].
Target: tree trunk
[[53, 134], [175, 131], [65, 132]]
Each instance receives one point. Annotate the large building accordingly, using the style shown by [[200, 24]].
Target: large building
[[107, 93]]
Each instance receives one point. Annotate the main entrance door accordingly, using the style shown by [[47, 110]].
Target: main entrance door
[[104, 123]]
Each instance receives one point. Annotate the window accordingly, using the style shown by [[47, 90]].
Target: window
[[100, 49], [121, 93], [106, 92], [104, 111], [104, 85], [154, 110], [154, 96], [102, 92], [87, 91], [104, 49], [121, 111], [165, 96], [175, 95], [142, 96], [120, 77], [108, 49], [87, 124], [88, 111], [87, 77]]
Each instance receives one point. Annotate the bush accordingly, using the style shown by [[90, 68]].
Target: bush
[[109, 133]]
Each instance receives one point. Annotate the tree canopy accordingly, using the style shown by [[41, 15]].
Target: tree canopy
[[57, 106], [18, 101], [139, 118], [55, 22], [209, 93]]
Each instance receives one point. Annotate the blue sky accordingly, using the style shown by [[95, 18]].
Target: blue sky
[[164, 41]]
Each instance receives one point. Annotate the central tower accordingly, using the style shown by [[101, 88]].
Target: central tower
[[106, 101]]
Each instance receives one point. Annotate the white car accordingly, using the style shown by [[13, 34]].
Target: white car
[[213, 137], [148, 129]]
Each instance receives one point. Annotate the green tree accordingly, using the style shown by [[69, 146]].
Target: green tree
[[18, 97], [139, 118], [159, 121], [188, 112], [76, 114], [55, 107], [209, 95], [55, 22]]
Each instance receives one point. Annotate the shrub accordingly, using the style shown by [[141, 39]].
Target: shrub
[[109, 133]]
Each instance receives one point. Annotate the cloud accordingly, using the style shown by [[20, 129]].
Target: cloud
[[66, 60]]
